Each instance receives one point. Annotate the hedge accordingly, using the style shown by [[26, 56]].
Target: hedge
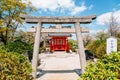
[[14, 66], [107, 68], [19, 47], [97, 47]]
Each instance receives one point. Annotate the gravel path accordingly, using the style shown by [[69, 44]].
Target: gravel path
[[59, 66]]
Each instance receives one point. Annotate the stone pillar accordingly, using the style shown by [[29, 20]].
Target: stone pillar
[[44, 44], [36, 49], [58, 26], [81, 51]]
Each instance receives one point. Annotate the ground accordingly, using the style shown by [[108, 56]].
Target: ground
[[59, 66]]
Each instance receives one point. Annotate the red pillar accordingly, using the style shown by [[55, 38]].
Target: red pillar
[[65, 44], [68, 47], [51, 45]]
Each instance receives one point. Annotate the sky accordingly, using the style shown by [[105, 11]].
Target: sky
[[101, 8]]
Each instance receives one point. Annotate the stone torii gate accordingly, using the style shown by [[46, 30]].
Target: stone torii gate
[[59, 20]]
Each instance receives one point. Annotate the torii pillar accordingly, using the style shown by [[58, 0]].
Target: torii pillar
[[36, 49], [80, 47]]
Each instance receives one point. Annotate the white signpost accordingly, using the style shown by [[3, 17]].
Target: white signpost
[[111, 45]]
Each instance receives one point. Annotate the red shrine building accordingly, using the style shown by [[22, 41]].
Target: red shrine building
[[59, 42]]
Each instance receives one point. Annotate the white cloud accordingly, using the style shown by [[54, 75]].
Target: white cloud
[[102, 19], [45, 4], [95, 31], [98, 30], [90, 7], [54, 5], [65, 3], [76, 9]]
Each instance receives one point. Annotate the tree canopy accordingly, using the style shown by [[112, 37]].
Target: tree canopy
[[10, 20]]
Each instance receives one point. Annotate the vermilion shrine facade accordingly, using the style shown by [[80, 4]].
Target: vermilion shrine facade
[[59, 42]]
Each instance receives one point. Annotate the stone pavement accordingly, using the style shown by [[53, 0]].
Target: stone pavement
[[59, 66]]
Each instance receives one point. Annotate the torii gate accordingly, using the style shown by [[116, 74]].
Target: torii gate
[[59, 20]]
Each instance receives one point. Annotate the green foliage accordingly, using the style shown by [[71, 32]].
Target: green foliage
[[87, 39], [101, 36], [14, 66], [107, 68], [101, 50], [72, 44], [3, 49], [18, 46], [24, 36], [118, 45], [97, 47], [10, 11], [42, 49]]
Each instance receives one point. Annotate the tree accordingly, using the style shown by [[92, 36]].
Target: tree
[[87, 39], [24, 36], [73, 44], [10, 17], [113, 26], [101, 35]]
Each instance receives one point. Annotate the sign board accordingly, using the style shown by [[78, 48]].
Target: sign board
[[111, 45]]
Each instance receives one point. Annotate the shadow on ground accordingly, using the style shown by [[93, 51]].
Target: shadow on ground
[[40, 72]]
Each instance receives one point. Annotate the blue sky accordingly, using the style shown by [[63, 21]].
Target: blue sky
[[102, 8]]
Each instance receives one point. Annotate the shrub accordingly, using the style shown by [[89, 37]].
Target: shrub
[[72, 44], [97, 47], [101, 50], [14, 66], [42, 49], [107, 68], [19, 47], [118, 44]]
